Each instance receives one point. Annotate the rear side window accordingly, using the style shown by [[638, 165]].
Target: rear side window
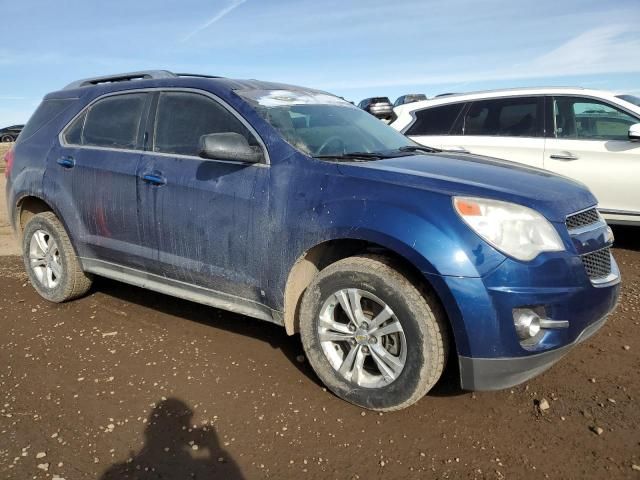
[[47, 111], [182, 118], [508, 117], [435, 120], [114, 121]]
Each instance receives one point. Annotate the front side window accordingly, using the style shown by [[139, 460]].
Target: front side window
[[112, 122], [507, 117], [183, 117], [435, 120], [589, 119]]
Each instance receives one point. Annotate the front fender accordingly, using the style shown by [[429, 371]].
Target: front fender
[[431, 236]]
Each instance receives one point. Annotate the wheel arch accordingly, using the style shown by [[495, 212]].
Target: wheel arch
[[323, 254], [28, 206], [31, 204]]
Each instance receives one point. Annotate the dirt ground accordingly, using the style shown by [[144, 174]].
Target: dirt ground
[[126, 383]]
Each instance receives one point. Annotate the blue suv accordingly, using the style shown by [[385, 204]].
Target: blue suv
[[291, 205]]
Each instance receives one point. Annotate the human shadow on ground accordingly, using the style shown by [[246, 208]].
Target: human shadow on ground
[[174, 449]]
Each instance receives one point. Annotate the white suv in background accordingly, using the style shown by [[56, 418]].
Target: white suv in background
[[588, 135]]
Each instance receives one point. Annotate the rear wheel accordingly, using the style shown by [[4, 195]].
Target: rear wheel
[[50, 261], [371, 335], [6, 138]]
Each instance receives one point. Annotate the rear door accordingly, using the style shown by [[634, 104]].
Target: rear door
[[589, 142], [93, 175], [507, 128], [206, 219]]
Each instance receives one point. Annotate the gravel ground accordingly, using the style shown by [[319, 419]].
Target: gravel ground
[[126, 383]]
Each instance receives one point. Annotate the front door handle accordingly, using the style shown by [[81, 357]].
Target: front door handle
[[154, 178], [564, 156], [66, 162]]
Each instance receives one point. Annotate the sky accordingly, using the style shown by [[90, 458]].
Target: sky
[[355, 49]]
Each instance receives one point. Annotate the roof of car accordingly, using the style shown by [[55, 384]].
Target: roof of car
[[140, 78], [405, 113]]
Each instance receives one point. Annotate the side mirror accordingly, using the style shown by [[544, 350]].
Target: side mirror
[[634, 132], [228, 146]]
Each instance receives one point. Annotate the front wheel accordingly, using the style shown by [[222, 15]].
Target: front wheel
[[371, 335]]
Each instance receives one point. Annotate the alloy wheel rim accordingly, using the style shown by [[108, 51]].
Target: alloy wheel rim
[[44, 259], [362, 338]]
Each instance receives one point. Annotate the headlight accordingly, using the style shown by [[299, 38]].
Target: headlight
[[517, 231]]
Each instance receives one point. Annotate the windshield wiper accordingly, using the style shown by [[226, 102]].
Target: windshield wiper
[[355, 156], [419, 148]]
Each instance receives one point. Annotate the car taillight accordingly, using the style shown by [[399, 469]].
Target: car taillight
[[8, 160]]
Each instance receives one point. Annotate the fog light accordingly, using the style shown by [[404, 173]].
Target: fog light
[[527, 323]]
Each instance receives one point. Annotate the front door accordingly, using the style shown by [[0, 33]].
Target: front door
[[206, 219], [591, 144]]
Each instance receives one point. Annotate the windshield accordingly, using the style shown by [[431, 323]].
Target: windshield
[[631, 99], [321, 125]]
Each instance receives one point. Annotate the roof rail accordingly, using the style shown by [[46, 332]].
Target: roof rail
[[196, 75], [505, 90], [121, 77]]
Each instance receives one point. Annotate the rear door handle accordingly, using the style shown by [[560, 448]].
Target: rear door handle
[[66, 162], [564, 156], [154, 178]]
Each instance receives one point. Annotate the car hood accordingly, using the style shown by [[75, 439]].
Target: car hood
[[552, 195]]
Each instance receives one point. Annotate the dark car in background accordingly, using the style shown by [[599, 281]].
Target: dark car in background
[[630, 98], [10, 134], [379, 107], [409, 98]]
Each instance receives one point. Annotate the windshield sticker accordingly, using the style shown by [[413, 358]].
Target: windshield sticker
[[282, 98]]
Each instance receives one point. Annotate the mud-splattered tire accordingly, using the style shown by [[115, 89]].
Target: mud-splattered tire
[[50, 261], [383, 377]]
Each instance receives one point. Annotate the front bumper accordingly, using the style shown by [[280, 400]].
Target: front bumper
[[491, 355], [499, 373]]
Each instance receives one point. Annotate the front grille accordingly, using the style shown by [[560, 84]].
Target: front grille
[[597, 264], [582, 219]]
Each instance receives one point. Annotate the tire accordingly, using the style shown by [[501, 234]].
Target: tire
[[50, 260], [6, 139], [381, 377]]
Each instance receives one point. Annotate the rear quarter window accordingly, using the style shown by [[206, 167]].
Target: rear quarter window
[[435, 120]]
